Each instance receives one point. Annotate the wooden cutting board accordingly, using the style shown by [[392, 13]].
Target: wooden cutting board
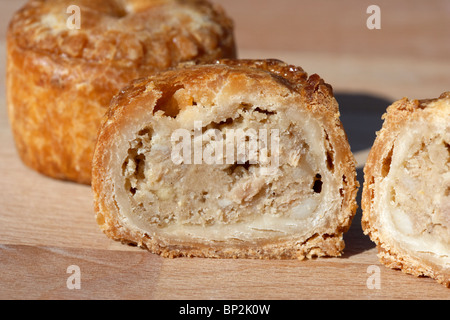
[[47, 226]]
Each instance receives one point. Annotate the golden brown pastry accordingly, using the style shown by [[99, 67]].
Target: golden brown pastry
[[406, 197], [237, 159], [60, 79]]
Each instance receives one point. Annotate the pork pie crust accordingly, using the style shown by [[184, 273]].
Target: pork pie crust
[[226, 211], [406, 200]]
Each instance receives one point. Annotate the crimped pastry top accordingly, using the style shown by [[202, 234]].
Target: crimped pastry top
[[158, 33], [313, 90], [401, 110]]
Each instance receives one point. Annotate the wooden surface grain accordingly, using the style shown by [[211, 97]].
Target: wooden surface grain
[[48, 225]]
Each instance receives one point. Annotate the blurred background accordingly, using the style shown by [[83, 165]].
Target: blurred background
[[412, 28]]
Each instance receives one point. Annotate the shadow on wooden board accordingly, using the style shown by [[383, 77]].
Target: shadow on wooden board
[[361, 116]]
